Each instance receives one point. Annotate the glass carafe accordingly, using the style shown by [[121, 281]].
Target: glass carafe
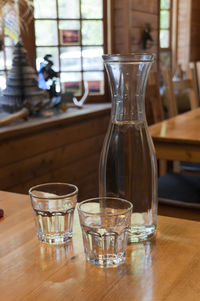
[[128, 166]]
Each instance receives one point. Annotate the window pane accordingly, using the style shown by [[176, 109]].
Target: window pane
[[165, 59], [91, 9], [8, 41], [71, 82], [68, 9], [69, 32], [45, 9], [92, 58], [2, 80], [95, 82], [64, 24], [92, 33], [164, 38], [46, 33], [8, 52], [70, 58], [42, 51], [164, 19], [165, 4], [2, 66]]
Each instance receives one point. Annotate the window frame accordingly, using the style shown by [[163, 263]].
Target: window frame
[[169, 29], [90, 98]]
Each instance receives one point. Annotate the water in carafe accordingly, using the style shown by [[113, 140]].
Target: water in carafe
[[128, 164]]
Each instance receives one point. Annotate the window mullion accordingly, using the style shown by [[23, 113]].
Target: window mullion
[[58, 46], [80, 13]]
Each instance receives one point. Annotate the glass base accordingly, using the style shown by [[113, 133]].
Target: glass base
[[54, 239], [108, 260], [141, 233]]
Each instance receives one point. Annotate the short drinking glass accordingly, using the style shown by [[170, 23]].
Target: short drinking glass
[[53, 205], [105, 223]]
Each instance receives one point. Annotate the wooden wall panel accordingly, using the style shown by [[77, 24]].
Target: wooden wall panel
[[151, 7], [119, 20], [130, 19], [76, 173], [58, 150], [118, 4], [195, 31], [183, 39], [188, 32], [48, 140], [48, 161], [139, 19]]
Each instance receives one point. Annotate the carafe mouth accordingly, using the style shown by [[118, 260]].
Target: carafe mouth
[[130, 57]]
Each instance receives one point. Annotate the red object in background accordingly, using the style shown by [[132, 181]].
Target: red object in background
[[1, 213]]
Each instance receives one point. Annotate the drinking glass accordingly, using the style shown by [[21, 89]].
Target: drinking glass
[[105, 223], [53, 205]]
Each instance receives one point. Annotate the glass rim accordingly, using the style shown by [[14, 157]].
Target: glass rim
[[107, 214], [129, 57], [55, 197]]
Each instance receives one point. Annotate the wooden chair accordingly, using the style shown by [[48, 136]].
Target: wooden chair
[[179, 72], [193, 67], [153, 95], [197, 65], [174, 189], [178, 86]]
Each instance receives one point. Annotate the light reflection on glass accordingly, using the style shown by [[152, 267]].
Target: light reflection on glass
[[55, 253], [141, 257]]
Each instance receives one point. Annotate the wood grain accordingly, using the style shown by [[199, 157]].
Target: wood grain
[[130, 18], [194, 28], [150, 7], [184, 31], [139, 19], [65, 148], [164, 269]]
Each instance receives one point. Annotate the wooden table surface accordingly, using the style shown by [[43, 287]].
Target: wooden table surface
[[178, 138], [167, 268]]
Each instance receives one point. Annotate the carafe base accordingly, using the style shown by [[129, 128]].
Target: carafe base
[[138, 233]]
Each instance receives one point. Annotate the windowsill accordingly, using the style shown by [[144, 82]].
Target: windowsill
[[66, 118]]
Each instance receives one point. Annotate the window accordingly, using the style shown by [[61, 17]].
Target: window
[[165, 24], [5, 59], [166, 34], [73, 32], [7, 37]]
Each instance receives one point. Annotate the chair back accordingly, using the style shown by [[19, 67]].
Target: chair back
[[153, 92], [171, 87], [154, 98], [198, 74], [193, 68]]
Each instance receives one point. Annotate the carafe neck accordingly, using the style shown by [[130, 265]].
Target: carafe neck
[[127, 78]]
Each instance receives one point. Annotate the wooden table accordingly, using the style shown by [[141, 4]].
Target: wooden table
[[178, 138], [165, 269]]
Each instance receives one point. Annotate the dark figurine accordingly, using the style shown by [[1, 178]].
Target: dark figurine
[[47, 73], [146, 36]]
